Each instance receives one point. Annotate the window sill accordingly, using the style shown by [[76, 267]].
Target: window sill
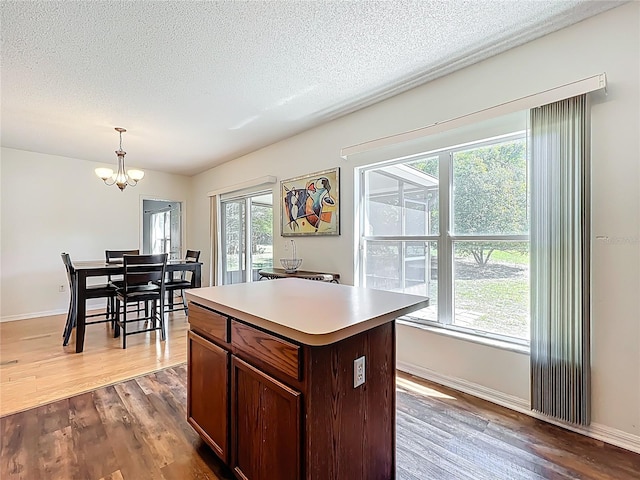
[[468, 337]]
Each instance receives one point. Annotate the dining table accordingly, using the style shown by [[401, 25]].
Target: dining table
[[99, 268]]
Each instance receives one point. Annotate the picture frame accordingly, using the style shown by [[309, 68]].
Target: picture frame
[[310, 204]]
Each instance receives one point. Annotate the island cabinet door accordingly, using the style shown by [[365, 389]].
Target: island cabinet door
[[208, 393], [265, 431]]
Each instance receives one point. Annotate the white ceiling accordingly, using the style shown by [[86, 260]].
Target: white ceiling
[[199, 83]]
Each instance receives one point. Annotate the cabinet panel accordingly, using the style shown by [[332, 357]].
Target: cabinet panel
[[208, 322], [278, 353], [266, 425], [208, 393]]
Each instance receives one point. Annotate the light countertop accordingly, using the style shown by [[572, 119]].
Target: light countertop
[[310, 312]]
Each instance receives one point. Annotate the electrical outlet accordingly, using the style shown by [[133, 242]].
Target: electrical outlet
[[61, 288], [358, 372]]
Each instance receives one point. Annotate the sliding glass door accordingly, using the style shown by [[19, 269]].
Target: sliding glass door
[[246, 222]]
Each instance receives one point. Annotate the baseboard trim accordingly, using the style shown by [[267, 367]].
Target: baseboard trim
[[47, 313], [597, 431], [26, 316]]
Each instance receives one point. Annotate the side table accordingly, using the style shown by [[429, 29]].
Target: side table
[[273, 273]]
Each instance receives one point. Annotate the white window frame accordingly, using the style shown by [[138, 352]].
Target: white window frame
[[445, 239]]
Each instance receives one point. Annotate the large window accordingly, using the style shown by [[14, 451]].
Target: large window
[[453, 225]]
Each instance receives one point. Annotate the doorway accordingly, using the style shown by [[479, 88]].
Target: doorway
[[246, 221], [162, 227]]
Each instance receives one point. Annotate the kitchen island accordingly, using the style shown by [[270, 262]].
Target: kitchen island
[[272, 375]]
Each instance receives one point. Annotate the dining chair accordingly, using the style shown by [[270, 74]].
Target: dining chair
[[115, 256], [143, 281], [184, 281], [93, 291]]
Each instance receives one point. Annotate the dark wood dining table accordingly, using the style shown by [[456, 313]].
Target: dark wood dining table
[[99, 268]]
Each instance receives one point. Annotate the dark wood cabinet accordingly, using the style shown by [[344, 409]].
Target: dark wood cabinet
[[208, 393], [273, 407], [249, 418], [266, 425], [308, 371]]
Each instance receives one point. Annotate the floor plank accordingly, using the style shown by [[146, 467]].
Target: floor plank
[[492, 440]]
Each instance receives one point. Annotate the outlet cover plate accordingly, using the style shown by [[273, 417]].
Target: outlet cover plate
[[358, 372]]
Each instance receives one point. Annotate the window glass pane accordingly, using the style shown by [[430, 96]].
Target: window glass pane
[[261, 237], [406, 267], [383, 268], [403, 199], [383, 204], [158, 232], [491, 287], [422, 190], [233, 238], [490, 190], [415, 217]]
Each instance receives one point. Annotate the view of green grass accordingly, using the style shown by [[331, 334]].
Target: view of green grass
[[510, 257], [501, 305], [262, 258]]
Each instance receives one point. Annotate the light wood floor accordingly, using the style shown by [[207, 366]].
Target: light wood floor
[[36, 369]]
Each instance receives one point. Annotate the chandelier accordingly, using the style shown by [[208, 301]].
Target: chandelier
[[122, 177]]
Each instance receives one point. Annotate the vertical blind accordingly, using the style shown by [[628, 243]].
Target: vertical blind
[[560, 231], [214, 225]]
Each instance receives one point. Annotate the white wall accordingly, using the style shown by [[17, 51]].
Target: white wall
[[53, 204], [607, 43]]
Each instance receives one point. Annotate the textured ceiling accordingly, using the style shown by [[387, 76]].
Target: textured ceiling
[[199, 83]]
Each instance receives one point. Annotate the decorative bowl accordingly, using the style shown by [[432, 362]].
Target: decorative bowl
[[290, 265]]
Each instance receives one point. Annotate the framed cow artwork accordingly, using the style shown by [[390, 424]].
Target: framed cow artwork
[[310, 204]]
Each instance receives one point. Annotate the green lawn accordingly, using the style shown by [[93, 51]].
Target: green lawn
[[495, 305], [510, 257], [493, 298]]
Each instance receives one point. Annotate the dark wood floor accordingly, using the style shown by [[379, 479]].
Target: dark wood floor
[[137, 430]]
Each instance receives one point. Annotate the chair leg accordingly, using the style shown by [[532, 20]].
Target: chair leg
[[184, 302], [112, 312], [124, 326], [153, 318], [67, 324], [116, 328], [71, 319], [67, 330], [161, 313]]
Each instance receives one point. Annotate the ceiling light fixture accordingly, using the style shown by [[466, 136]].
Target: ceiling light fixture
[[122, 177]]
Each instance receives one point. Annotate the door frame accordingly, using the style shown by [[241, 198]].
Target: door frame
[[248, 201], [183, 218]]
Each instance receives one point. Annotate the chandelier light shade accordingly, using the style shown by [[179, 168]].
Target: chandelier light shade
[[122, 177]]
